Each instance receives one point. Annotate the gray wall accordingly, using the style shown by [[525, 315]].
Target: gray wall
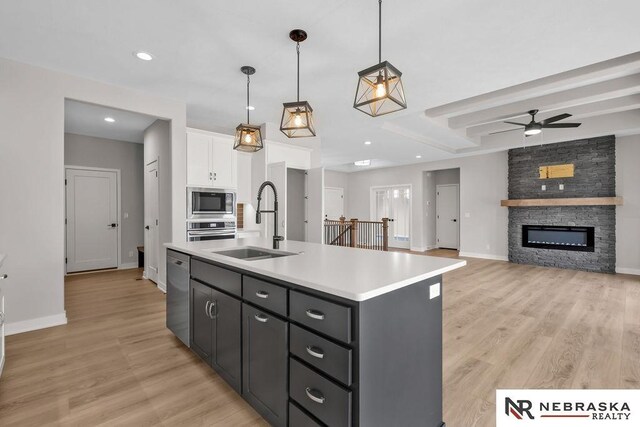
[[88, 151], [483, 183], [594, 176], [430, 180], [295, 204]]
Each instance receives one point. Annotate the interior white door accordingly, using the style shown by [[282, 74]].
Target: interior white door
[[198, 160], [394, 203], [151, 208], [92, 219], [333, 203], [276, 173], [315, 205], [447, 216]]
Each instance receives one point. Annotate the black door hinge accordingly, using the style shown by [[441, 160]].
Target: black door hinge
[[65, 181], [65, 260]]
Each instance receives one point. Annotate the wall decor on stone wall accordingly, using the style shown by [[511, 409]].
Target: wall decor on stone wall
[[594, 177]]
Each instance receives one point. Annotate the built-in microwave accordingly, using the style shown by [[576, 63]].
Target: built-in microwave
[[210, 203]]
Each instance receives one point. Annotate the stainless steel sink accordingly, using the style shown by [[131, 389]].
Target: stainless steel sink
[[251, 253]]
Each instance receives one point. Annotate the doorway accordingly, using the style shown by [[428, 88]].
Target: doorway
[[92, 218], [447, 216], [333, 203], [151, 235], [394, 202]]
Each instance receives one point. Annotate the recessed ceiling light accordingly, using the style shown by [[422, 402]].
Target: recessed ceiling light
[[109, 119], [145, 56], [362, 163], [418, 156], [250, 107], [367, 143]]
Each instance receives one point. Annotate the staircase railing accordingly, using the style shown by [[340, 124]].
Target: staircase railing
[[357, 234]]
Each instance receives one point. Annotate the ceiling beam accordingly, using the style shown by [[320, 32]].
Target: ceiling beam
[[416, 137], [564, 99], [622, 123], [607, 106], [612, 68]]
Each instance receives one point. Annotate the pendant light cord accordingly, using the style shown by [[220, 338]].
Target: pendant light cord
[[379, 31], [248, 110], [298, 53]]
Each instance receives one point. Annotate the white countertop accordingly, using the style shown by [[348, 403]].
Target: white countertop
[[354, 274]]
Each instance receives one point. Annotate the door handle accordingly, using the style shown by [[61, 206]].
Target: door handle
[[146, 227], [206, 309], [112, 225], [454, 220], [211, 307], [4, 276]]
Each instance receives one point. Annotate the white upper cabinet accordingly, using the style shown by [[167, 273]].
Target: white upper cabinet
[[211, 160]]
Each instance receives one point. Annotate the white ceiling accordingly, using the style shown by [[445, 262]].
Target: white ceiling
[[448, 51], [88, 119]]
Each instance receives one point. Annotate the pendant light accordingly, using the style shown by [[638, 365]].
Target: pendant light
[[248, 136], [297, 117], [380, 89]]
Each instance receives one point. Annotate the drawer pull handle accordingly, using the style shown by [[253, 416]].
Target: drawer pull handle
[[262, 294], [315, 351], [315, 314], [261, 318], [314, 395]]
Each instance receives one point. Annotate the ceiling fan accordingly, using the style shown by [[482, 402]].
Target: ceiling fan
[[534, 128]]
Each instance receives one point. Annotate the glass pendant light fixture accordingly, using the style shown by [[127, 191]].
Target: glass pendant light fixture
[[248, 136], [380, 89], [297, 117]]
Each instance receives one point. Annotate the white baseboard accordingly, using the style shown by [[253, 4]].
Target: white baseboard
[[484, 256], [417, 248], [634, 271], [162, 286], [35, 324], [429, 247], [128, 265]]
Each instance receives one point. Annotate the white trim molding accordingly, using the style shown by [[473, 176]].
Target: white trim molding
[[128, 265], [623, 270], [35, 324], [418, 248], [162, 286], [483, 256]]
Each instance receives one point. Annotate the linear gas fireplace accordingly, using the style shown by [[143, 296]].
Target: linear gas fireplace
[[558, 237]]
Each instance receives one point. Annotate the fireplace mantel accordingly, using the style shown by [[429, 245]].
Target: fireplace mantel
[[568, 201]]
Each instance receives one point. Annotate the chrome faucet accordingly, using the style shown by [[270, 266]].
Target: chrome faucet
[[276, 238]]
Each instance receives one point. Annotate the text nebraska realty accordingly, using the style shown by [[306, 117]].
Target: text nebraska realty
[[598, 410]]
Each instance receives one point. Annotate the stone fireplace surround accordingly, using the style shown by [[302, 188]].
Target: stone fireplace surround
[[594, 176]]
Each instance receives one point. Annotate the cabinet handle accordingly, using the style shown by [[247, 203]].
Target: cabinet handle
[[211, 307], [262, 294], [206, 308], [315, 351], [261, 318], [315, 314], [210, 176], [314, 395]]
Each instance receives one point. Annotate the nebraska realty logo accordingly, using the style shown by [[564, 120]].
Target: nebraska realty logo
[[567, 408]]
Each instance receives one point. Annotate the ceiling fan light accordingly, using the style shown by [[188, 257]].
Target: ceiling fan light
[[532, 131]]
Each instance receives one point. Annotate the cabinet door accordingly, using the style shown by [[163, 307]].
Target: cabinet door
[[264, 364], [223, 163], [201, 323], [226, 356], [198, 160]]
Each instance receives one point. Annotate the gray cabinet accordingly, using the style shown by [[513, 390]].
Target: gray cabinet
[[217, 335], [264, 364]]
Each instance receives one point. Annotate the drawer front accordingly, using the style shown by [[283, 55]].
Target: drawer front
[[327, 401], [325, 355], [298, 418], [264, 294], [321, 315], [226, 280]]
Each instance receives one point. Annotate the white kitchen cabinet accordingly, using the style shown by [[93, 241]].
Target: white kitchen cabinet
[[211, 160]]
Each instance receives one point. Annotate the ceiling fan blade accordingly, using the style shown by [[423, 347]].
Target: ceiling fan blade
[[503, 131], [515, 123], [555, 118], [561, 125]]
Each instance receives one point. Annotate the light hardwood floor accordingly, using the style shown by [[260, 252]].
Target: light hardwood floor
[[505, 326]]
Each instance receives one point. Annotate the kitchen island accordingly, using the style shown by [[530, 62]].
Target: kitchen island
[[315, 334]]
